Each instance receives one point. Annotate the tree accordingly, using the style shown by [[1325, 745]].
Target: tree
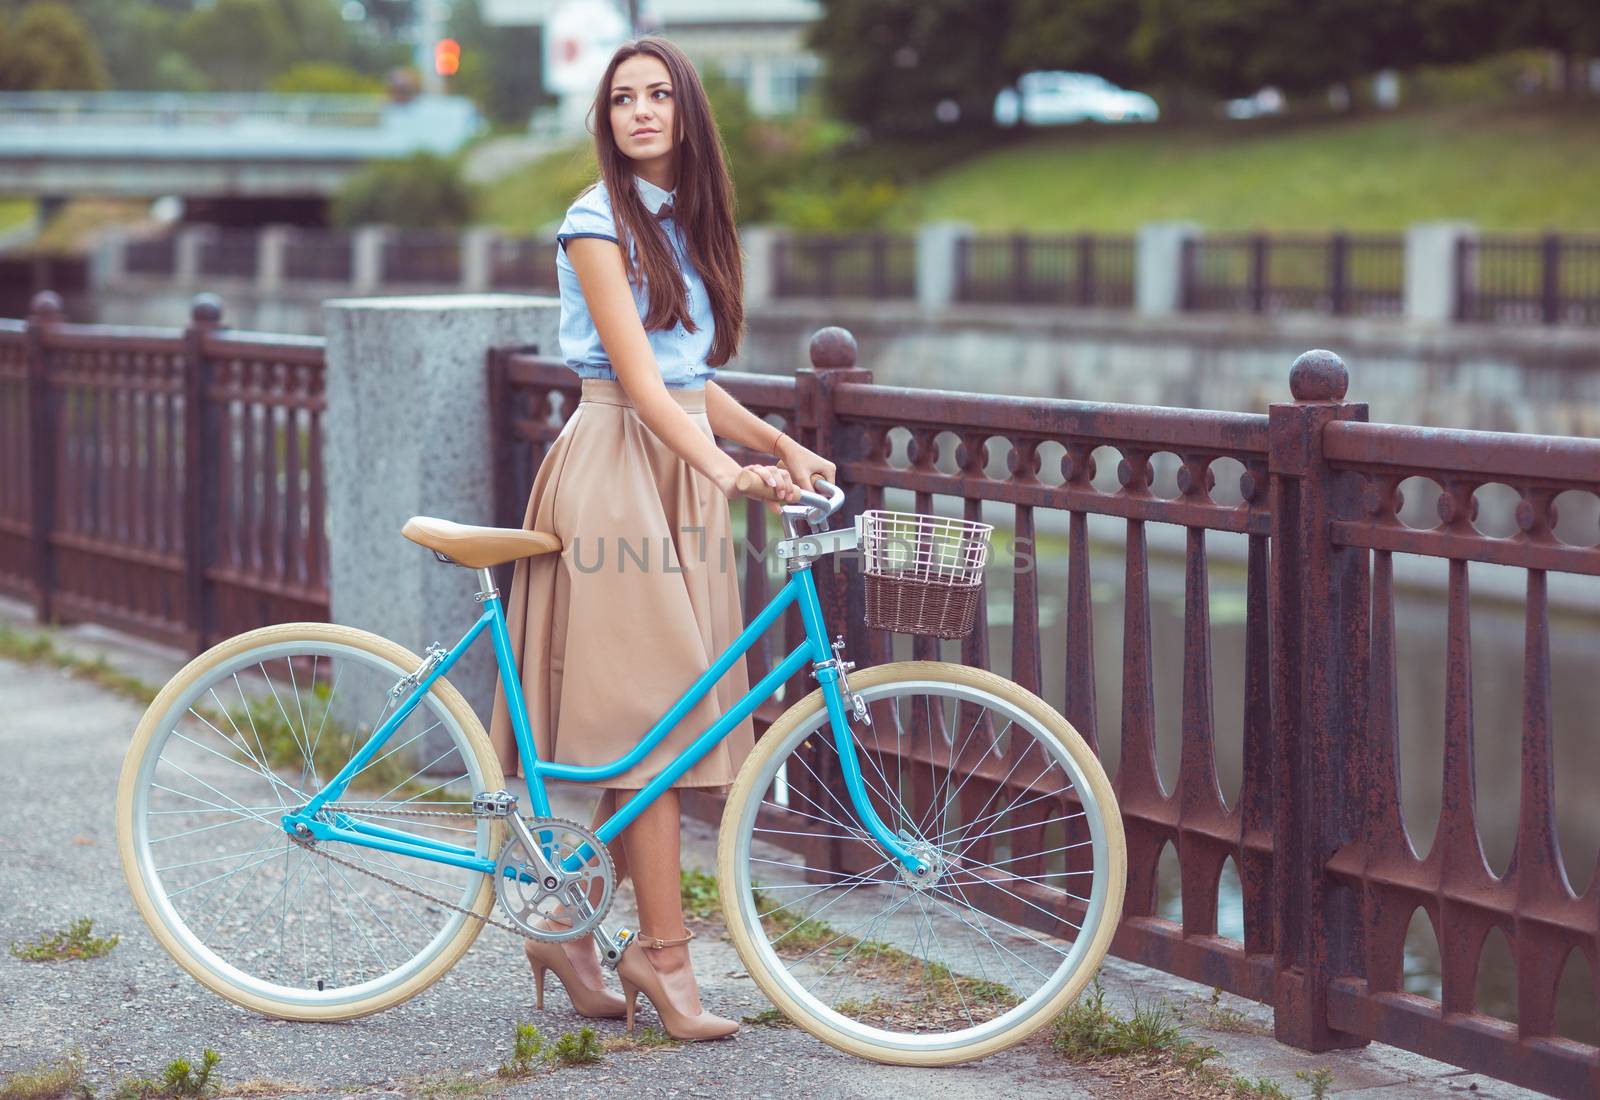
[[238, 44], [1569, 27], [892, 65], [424, 190], [48, 48], [1089, 35], [501, 67]]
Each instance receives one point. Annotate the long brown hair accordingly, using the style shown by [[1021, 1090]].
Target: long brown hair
[[702, 204]]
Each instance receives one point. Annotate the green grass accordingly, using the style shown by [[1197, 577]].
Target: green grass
[[41, 649], [15, 213], [76, 941], [179, 1078], [699, 893], [531, 1050], [1506, 168], [61, 1077]]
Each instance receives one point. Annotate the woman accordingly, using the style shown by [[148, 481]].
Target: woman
[[644, 595]]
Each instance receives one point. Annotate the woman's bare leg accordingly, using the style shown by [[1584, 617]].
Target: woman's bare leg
[[652, 843]]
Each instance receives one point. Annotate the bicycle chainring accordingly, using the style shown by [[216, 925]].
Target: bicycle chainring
[[527, 894]]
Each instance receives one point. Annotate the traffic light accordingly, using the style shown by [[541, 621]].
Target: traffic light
[[447, 57]]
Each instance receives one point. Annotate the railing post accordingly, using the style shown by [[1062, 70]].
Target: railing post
[[272, 251], [1319, 595], [1163, 259], [943, 261], [760, 264], [1550, 279], [1086, 294], [1339, 275], [1258, 273], [199, 466], [1019, 269], [833, 361], [880, 265], [477, 258], [44, 311]]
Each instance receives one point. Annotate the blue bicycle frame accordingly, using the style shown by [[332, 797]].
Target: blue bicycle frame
[[801, 587]]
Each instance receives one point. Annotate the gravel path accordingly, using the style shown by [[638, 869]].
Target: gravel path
[[132, 1011]]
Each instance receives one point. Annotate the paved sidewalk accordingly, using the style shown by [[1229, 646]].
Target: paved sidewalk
[[132, 1011]]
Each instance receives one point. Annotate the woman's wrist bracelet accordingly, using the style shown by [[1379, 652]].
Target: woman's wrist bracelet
[[774, 449]]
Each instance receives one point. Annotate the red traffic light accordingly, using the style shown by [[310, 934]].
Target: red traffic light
[[447, 57]]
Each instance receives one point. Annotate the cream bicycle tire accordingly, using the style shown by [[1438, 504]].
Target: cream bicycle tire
[[148, 894]]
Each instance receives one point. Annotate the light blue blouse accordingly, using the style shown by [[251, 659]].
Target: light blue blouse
[[679, 353]]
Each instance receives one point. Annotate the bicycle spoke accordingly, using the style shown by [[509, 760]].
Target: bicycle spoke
[[927, 957]]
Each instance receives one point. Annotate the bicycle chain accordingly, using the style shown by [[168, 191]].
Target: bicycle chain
[[311, 846]]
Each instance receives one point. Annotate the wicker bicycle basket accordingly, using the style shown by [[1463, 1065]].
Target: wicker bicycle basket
[[923, 573]]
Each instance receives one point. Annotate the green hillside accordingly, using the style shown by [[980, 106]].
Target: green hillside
[[1504, 168]]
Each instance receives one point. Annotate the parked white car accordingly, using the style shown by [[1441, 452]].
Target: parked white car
[[1046, 98]]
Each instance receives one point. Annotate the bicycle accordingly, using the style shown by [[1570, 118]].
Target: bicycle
[[309, 865]]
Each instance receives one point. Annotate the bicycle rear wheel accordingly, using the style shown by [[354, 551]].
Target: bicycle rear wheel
[[983, 778], [250, 730]]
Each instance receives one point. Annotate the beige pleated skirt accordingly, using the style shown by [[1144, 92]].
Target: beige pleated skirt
[[644, 596]]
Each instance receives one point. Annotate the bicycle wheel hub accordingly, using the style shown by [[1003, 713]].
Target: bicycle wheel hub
[[532, 884], [933, 866]]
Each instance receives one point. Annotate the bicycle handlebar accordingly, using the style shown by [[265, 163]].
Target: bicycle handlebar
[[814, 507]]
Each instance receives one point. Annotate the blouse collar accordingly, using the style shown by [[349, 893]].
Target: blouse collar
[[654, 197]]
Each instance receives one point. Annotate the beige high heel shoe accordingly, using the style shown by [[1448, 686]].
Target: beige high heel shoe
[[638, 975], [586, 1000]]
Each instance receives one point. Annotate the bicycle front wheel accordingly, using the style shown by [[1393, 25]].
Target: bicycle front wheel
[[980, 777], [249, 731]]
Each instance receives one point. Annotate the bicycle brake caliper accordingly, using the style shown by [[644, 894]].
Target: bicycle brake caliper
[[858, 705], [430, 661]]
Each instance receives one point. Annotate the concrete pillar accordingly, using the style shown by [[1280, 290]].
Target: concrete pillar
[[271, 245], [760, 263], [366, 266], [1431, 289], [407, 434], [937, 248], [186, 256], [108, 263], [477, 258], [1158, 266]]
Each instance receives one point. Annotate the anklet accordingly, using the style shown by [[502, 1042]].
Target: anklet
[[657, 941]]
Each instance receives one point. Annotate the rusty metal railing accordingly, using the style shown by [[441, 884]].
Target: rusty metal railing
[[168, 482], [1326, 875]]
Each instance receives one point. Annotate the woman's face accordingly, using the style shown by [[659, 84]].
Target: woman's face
[[642, 108]]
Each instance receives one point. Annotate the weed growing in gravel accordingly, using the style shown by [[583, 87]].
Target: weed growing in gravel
[[452, 1087], [40, 649], [768, 1017], [178, 1079], [529, 1050], [1150, 1042], [1319, 1079], [1214, 1016], [700, 893], [646, 1038], [576, 1050], [62, 1077], [76, 941]]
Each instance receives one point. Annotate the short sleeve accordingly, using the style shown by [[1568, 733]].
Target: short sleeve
[[588, 216]]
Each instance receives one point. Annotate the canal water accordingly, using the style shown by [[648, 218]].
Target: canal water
[[1420, 618]]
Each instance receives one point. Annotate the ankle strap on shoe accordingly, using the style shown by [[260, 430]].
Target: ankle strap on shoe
[[657, 941]]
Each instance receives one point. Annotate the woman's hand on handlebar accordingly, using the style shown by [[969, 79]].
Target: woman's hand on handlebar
[[803, 464], [769, 483]]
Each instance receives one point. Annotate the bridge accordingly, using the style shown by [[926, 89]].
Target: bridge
[[245, 145]]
